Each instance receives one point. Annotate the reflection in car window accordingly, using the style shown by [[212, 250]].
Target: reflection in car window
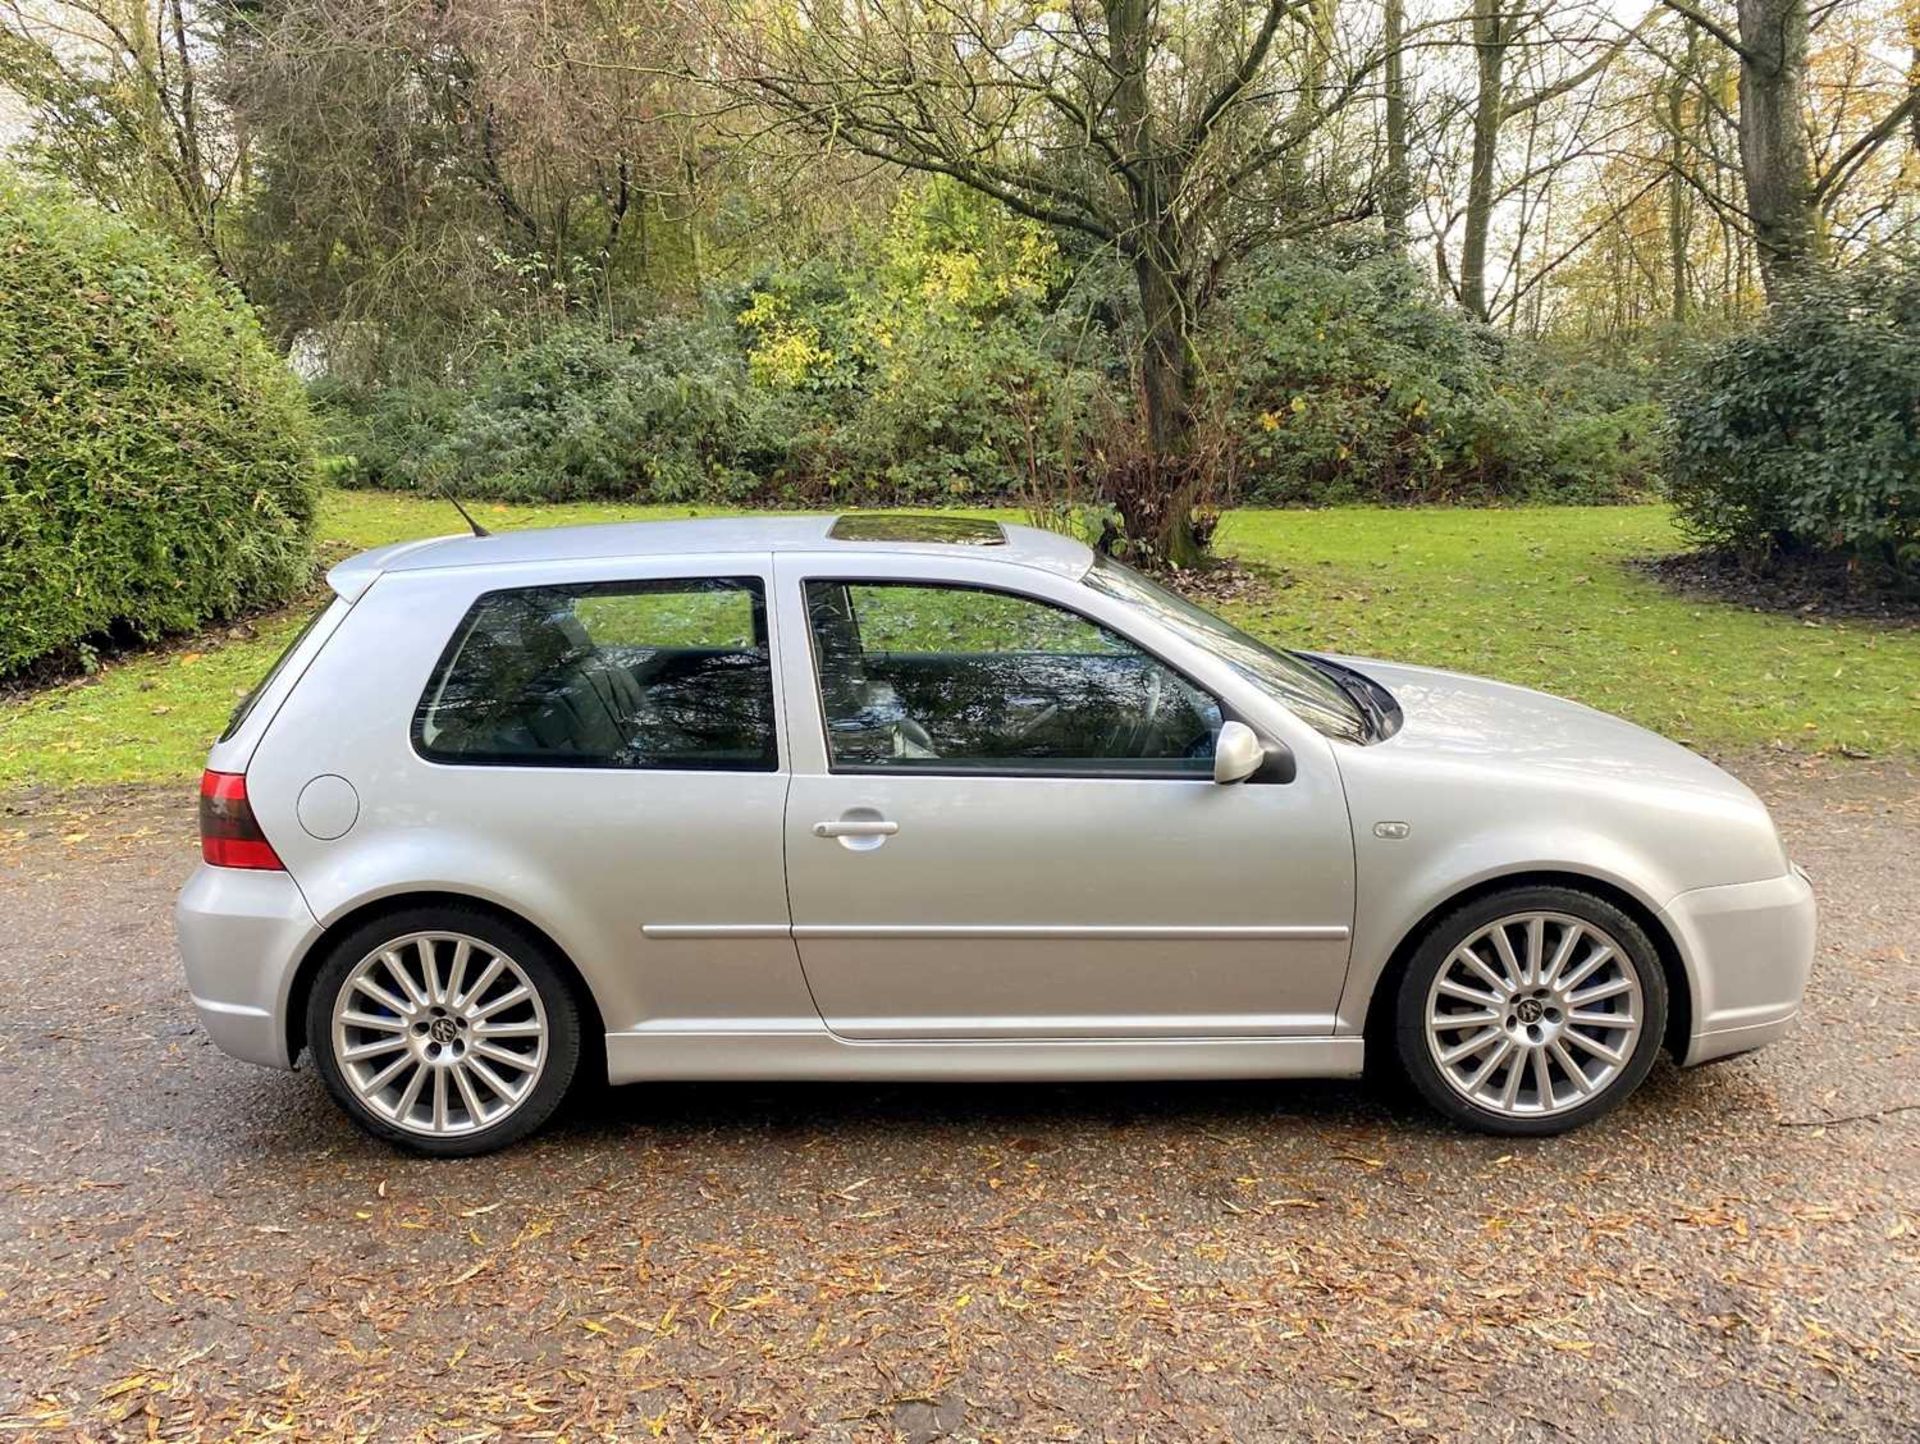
[[943, 678], [668, 674], [1309, 693]]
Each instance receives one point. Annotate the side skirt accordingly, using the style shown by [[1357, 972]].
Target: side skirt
[[815, 1053]]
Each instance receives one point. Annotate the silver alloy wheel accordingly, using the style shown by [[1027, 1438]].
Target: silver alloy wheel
[[1534, 1014], [439, 1033]]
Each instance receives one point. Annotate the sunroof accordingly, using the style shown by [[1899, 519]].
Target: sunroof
[[881, 526]]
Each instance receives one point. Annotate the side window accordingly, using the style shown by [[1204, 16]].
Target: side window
[[659, 674], [953, 678]]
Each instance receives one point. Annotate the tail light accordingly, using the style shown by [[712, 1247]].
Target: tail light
[[230, 836]]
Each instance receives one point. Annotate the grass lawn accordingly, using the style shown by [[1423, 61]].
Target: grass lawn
[[1542, 596], [1538, 596]]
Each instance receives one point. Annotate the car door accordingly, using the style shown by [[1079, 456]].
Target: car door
[[1002, 823]]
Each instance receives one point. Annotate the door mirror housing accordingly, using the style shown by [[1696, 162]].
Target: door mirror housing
[[1237, 753]]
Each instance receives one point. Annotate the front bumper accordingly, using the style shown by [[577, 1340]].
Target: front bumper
[[1748, 950], [242, 934]]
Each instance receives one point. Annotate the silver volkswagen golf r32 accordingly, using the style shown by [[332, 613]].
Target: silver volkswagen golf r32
[[898, 797]]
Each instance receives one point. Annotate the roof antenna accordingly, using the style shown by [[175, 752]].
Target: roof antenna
[[465, 515]]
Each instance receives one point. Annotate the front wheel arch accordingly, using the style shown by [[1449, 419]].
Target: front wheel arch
[[593, 1030], [1379, 1026]]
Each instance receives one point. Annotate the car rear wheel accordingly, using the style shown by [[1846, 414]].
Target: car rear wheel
[[1531, 1011], [444, 1030]]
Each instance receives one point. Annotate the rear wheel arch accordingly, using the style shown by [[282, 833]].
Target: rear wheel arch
[[1680, 1002], [594, 1030]]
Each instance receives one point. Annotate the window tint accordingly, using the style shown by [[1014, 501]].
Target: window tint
[[670, 674], [946, 678]]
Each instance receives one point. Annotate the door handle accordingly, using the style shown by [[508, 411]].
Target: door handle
[[856, 827]]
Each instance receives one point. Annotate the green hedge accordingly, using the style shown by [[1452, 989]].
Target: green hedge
[[156, 455], [961, 364], [1803, 434]]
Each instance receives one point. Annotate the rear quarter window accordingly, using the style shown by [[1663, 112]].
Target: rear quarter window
[[244, 709], [671, 674]]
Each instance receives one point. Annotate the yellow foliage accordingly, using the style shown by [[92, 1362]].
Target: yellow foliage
[[787, 350]]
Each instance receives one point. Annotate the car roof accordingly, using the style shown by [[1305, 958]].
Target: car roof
[[704, 537]]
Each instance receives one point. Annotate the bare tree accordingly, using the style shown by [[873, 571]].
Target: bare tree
[[1785, 200], [1177, 137], [1396, 185], [438, 176], [121, 106], [1499, 27]]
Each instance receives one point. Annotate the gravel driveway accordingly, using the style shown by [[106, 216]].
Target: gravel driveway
[[190, 1246]]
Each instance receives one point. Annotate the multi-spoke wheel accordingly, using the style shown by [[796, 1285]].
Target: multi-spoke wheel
[[1531, 1011], [446, 1030]]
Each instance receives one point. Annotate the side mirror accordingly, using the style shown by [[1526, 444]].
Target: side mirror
[[1237, 753]]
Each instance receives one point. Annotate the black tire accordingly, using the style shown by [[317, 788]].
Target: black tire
[[547, 977], [1634, 950]]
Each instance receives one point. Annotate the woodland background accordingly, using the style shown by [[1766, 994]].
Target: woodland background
[[1124, 262]]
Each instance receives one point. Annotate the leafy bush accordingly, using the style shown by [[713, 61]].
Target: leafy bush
[[667, 415], [156, 459], [958, 360], [940, 370], [925, 377], [1803, 434], [1348, 380]]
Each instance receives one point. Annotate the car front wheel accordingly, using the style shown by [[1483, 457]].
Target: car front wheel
[[447, 1031], [1531, 1011]]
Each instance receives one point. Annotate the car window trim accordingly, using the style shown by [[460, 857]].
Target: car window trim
[[1027, 772], [759, 587]]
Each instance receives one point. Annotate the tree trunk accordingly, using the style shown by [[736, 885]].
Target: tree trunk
[[1157, 503], [1396, 192], [1774, 159], [1678, 213], [1490, 50], [1913, 71], [1155, 496]]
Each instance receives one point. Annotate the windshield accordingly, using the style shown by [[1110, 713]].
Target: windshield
[[1310, 693]]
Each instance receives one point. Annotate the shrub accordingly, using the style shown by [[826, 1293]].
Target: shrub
[[1348, 379], [667, 415], [961, 360], [383, 436], [939, 370], [1803, 434], [156, 459], [933, 374]]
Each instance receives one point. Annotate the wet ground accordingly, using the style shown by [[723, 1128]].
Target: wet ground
[[191, 1247]]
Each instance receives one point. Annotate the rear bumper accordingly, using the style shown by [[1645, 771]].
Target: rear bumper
[[1749, 949], [242, 934]]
